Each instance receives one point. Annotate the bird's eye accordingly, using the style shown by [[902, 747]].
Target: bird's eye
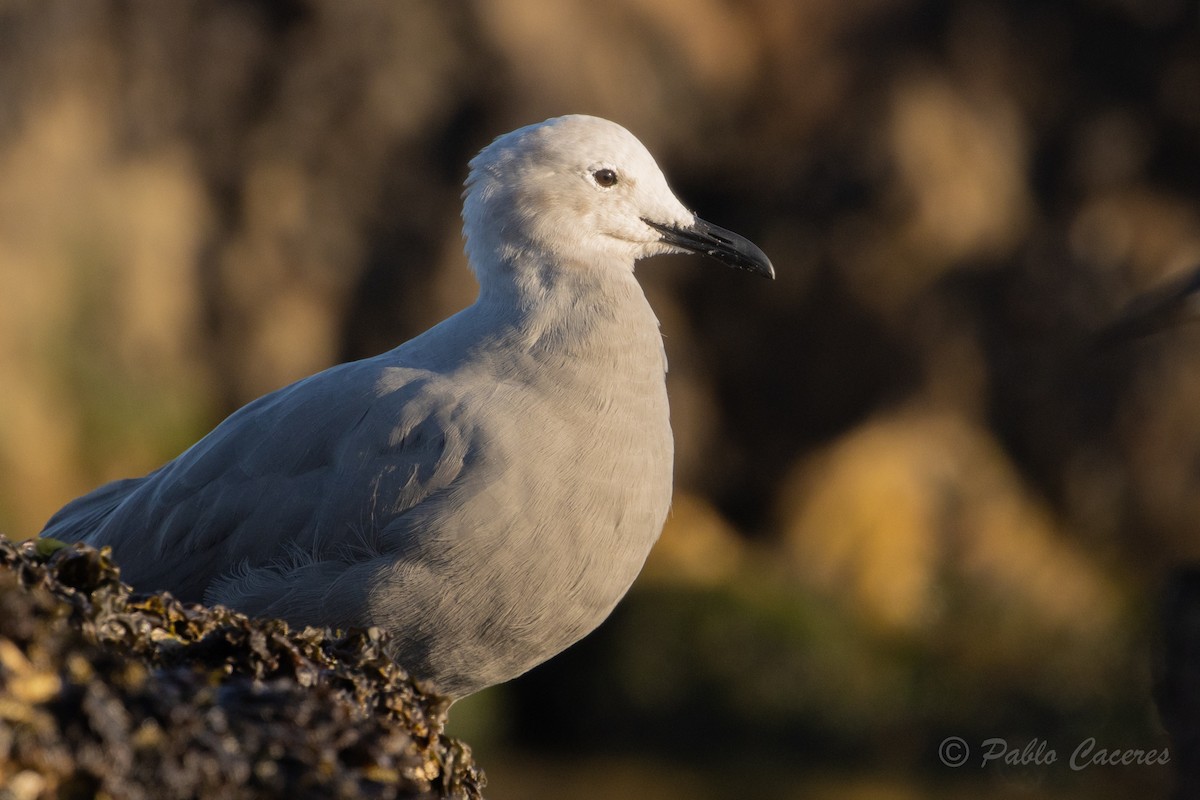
[[605, 177]]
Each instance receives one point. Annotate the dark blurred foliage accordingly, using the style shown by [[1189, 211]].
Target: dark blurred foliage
[[1177, 687], [910, 437]]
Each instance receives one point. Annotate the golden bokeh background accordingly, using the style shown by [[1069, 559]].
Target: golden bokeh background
[[912, 499]]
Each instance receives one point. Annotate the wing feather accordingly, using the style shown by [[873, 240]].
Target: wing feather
[[332, 459]]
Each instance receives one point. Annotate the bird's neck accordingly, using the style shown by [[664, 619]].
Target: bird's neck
[[581, 313]]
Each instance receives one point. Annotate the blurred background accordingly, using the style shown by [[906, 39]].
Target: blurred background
[[912, 499]]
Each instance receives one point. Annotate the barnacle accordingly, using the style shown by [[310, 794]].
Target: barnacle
[[108, 691]]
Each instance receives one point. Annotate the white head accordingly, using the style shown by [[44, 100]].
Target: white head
[[581, 193]]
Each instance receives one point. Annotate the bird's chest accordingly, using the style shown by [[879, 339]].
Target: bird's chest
[[610, 451], [593, 485]]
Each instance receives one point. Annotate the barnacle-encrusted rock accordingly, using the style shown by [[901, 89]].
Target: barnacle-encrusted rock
[[107, 692]]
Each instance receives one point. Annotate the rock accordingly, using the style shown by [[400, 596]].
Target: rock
[[104, 691]]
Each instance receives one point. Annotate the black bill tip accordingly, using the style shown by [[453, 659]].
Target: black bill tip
[[716, 242]]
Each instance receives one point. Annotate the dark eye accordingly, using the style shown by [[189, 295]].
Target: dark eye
[[605, 177]]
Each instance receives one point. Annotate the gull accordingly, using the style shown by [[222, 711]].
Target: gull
[[486, 492]]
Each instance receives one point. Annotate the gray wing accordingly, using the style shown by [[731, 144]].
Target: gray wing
[[291, 498]]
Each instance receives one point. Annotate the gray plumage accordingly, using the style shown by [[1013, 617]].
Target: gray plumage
[[485, 492]]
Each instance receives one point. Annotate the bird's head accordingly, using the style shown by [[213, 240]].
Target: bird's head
[[580, 192]]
